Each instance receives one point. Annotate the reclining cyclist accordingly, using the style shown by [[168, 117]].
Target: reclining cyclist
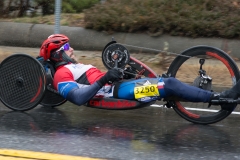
[[78, 83]]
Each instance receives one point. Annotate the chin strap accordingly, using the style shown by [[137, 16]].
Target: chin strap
[[60, 64], [61, 58], [66, 58]]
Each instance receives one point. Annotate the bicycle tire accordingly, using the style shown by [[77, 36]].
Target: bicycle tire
[[214, 55], [51, 99]]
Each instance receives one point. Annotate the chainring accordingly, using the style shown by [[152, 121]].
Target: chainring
[[115, 52]]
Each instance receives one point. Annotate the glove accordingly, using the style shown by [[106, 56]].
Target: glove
[[111, 76]]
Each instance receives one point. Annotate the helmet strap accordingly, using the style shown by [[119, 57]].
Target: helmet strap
[[61, 58]]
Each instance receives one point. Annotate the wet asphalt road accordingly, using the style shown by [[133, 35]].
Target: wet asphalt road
[[148, 133]]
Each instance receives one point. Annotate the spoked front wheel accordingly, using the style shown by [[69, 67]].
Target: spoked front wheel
[[219, 71]]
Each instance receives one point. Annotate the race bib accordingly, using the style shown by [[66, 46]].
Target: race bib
[[146, 91]]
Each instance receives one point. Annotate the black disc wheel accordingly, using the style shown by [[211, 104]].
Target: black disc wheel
[[22, 82], [221, 69]]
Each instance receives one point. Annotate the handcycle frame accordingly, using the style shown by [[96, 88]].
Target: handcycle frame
[[44, 93], [108, 103]]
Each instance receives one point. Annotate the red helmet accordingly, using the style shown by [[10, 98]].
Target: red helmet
[[53, 42]]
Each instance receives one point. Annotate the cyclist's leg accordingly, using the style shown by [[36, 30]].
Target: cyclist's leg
[[125, 89], [166, 87], [234, 92], [174, 87]]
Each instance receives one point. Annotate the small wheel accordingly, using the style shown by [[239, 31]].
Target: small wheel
[[220, 67], [22, 82], [115, 52], [50, 98]]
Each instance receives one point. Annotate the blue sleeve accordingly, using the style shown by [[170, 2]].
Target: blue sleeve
[[78, 95]]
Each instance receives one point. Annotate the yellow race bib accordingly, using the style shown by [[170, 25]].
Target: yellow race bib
[[146, 91]]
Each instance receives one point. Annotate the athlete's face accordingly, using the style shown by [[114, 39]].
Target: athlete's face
[[70, 53]]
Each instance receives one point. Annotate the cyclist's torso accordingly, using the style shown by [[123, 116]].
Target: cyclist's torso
[[83, 74]]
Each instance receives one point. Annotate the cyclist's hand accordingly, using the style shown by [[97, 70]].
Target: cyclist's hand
[[111, 76]]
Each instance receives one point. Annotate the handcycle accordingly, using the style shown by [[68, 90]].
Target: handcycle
[[26, 81]]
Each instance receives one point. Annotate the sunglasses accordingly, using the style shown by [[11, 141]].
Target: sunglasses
[[65, 47]]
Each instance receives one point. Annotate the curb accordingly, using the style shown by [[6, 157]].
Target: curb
[[32, 35]]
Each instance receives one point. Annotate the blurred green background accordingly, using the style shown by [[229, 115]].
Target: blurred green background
[[190, 18]]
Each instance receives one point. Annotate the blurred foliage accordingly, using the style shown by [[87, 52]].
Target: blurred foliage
[[67, 19], [77, 6], [193, 18], [18, 8], [47, 6], [13, 7]]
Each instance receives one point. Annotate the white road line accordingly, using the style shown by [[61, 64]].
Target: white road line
[[156, 105], [194, 109]]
